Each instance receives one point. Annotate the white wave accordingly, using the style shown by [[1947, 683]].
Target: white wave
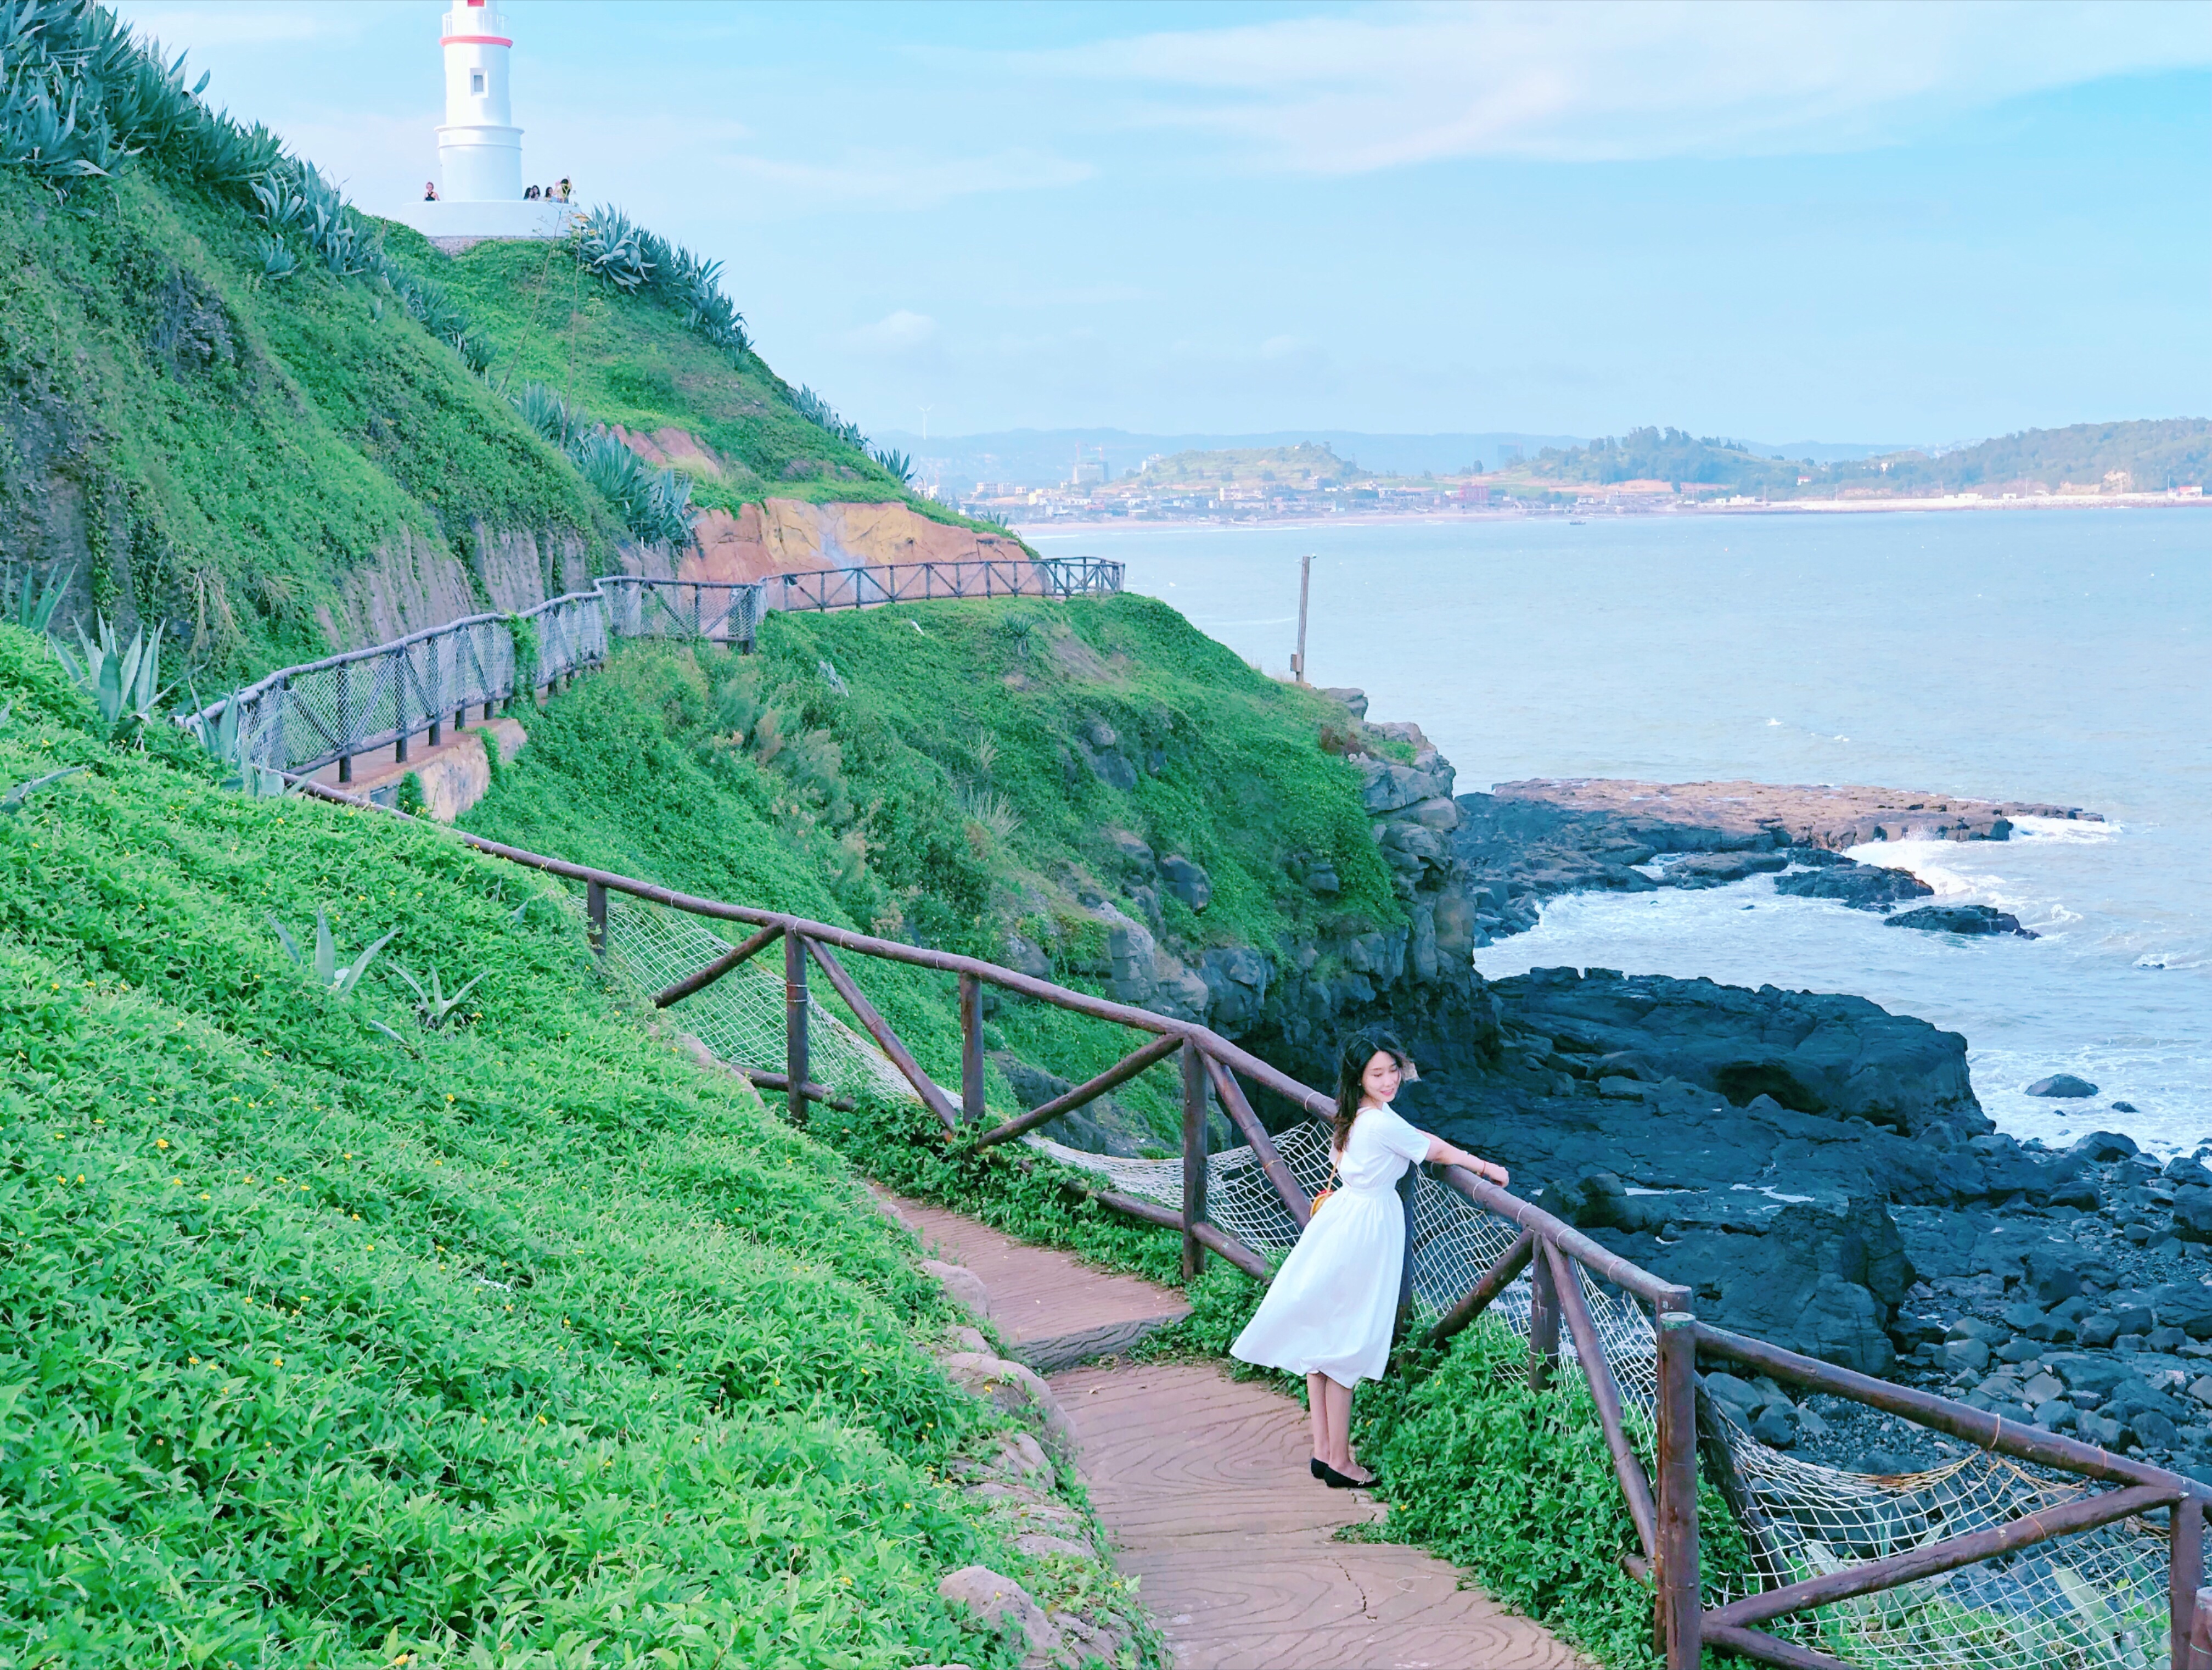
[[2070, 831], [2176, 961]]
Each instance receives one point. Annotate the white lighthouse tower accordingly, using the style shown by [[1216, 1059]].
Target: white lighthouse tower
[[479, 147]]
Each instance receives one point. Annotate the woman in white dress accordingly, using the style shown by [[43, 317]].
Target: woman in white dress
[[1332, 1305]]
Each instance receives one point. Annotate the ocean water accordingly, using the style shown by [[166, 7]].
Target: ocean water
[[2049, 656]]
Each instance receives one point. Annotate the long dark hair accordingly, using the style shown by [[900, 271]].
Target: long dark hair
[[1359, 1049]]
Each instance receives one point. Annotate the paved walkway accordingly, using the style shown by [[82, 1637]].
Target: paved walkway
[[1202, 1482]]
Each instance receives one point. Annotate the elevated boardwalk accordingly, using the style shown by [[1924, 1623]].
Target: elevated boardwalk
[[1202, 1483]]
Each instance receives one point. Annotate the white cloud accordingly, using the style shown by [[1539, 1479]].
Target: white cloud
[[1607, 81], [899, 332]]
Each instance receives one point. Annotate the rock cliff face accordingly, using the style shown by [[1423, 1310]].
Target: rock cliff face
[[793, 536], [1294, 1002]]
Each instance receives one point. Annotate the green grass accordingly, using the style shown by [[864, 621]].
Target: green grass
[[524, 1344], [754, 780], [632, 361]]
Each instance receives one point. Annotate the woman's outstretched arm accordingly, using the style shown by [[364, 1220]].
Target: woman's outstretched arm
[[1442, 1153]]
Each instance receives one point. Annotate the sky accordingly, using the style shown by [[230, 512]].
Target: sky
[[1918, 223]]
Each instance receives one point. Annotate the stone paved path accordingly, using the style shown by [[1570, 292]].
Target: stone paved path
[[1202, 1483]]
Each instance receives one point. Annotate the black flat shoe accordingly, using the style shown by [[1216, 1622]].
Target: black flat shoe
[[1337, 1481], [1320, 1468]]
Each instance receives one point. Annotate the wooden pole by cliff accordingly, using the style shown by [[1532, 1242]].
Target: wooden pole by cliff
[[1680, 1617], [1305, 582], [1194, 1159], [794, 1026]]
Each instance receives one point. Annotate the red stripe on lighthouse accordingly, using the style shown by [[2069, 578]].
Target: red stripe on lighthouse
[[474, 40]]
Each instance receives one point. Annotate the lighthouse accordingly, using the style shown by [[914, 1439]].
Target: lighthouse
[[479, 146]]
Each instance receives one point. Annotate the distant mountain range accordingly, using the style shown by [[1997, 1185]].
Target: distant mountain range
[[1040, 458]]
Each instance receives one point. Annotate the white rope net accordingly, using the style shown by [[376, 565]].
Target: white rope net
[[2096, 1600], [741, 1017]]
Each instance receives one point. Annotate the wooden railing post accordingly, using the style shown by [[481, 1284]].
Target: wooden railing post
[[437, 694], [971, 1050], [794, 1024], [2186, 1540], [345, 723], [2200, 1634], [1193, 1158], [595, 919], [398, 661], [1680, 1611], [1543, 1323]]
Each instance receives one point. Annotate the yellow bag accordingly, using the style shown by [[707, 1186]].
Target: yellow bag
[[1321, 1199]]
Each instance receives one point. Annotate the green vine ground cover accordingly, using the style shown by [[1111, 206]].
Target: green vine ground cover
[[524, 1343]]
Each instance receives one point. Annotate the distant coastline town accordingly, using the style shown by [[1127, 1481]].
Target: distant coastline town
[[1651, 471]]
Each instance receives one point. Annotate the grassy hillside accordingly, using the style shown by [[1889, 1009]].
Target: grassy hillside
[[632, 360], [522, 1341], [935, 773], [206, 450]]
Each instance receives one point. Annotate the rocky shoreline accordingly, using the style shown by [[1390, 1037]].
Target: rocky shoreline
[[1523, 843], [1815, 1168], [1818, 1172]]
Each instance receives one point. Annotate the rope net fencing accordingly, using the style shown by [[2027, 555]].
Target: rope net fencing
[[2095, 1600]]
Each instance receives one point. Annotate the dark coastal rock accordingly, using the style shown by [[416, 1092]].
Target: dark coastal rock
[[2102, 1147], [1841, 1056], [1818, 1281], [1961, 919], [1862, 887], [1819, 815], [2063, 1086], [1188, 881], [1526, 842], [1717, 869]]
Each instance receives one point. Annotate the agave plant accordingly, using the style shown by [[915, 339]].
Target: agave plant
[[340, 979], [433, 1008], [221, 736], [476, 350], [895, 464], [816, 410], [33, 609], [123, 680], [15, 800], [547, 412], [281, 202], [654, 504], [609, 246], [278, 261]]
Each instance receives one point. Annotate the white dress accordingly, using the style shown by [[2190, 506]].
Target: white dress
[[1336, 1299]]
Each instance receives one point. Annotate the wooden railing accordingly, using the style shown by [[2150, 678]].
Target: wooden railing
[[872, 586], [342, 707], [1554, 1254]]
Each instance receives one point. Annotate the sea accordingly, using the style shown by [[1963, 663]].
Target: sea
[[2059, 655]]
